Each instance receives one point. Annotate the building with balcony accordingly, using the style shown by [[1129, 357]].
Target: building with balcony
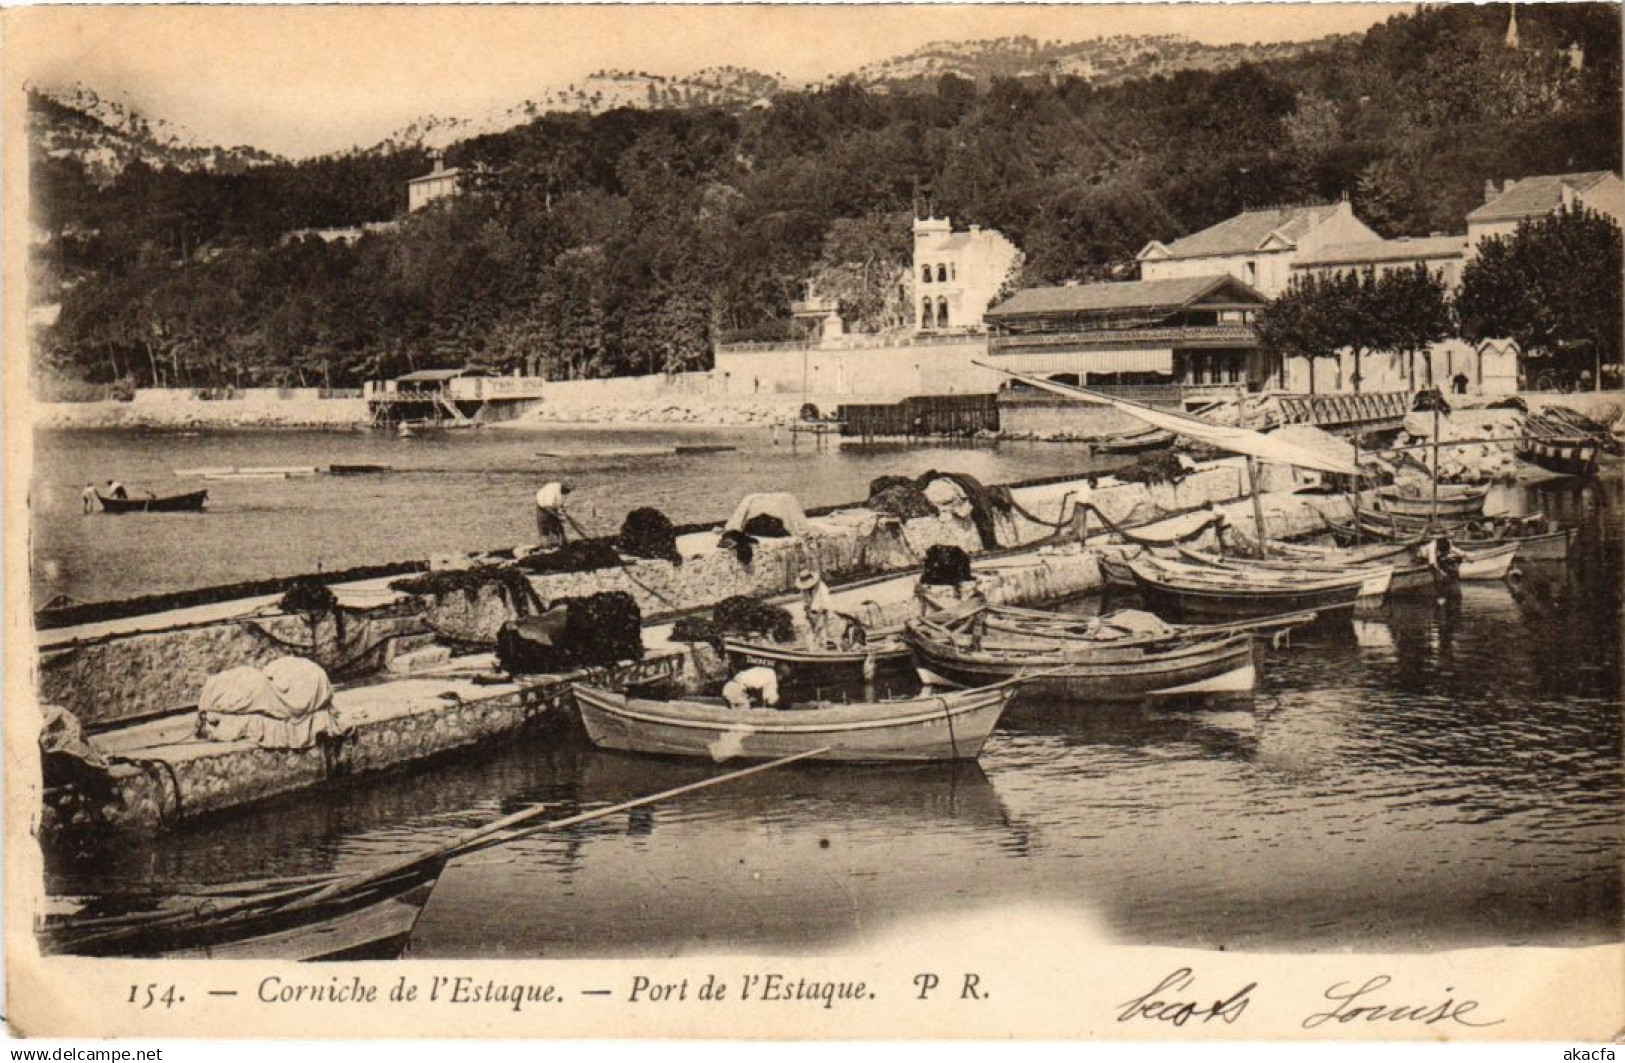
[[956, 276], [1257, 247], [1189, 336]]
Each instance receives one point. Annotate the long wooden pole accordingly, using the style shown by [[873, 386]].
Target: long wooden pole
[[1433, 510], [1258, 507], [484, 833]]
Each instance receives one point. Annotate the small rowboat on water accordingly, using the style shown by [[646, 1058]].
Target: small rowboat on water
[[810, 666], [1455, 501], [1191, 594], [1537, 538], [1062, 627], [191, 502], [1135, 442], [1378, 576], [1087, 672], [952, 726]]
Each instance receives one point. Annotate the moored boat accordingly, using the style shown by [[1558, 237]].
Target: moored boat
[[812, 665], [191, 502], [1537, 539], [1190, 594], [1087, 673], [951, 726], [1571, 456], [1135, 442], [1038, 624], [1454, 501], [1378, 576], [1411, 570]]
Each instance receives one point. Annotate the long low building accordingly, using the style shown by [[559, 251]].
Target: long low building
[[1176, 340]]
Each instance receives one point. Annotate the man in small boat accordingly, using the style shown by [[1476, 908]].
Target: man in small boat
[[819, 608], [550, 515], [753, 688], [88, 498], [116, 490]]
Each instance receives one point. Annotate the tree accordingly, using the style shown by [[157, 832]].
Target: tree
[[1553, 287], [1301, 322], [859, 266], [1414, 306]]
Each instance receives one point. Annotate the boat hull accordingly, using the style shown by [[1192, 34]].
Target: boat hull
[[951, 727], [1449, 506], [192, 502], [1188, 601], [1062, 673], [1566, 457], [813, 667]]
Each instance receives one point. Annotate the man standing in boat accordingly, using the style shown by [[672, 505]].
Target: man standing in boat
[[89, 499], [550, 515], [818, 607], [116, 490], [1444, 560]]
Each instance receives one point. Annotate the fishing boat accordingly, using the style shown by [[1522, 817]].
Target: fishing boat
[[1454, 501], [1192, 594], [952, 726], [1567, 456], [1086, 673], [1038, 624], [812, 665], [191, 502], [1378, 576], [1537, 538], [1134, 442], [367, 914]]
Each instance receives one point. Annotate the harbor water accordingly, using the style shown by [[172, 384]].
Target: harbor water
[[1434, 775]]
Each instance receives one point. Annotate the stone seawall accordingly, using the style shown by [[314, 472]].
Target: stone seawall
[[197, 413]]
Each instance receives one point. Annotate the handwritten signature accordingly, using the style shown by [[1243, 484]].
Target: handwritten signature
[[1172, 1001], [1362, 1005]]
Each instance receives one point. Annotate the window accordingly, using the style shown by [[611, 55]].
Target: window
[[942, 273], [925, 313], [942, 313], [1252, 273], [925, 274]]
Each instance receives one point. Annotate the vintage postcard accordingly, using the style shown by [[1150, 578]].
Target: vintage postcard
[[800, 522]]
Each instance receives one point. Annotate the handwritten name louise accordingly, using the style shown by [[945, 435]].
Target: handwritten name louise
[[1175, 1001]]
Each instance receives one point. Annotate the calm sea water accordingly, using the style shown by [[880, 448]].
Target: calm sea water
[[1431, 777], [456, 491]]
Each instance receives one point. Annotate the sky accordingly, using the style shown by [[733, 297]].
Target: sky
[[307, 80]]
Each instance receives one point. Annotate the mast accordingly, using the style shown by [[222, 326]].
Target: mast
[[1433, 510], [1258, 506]]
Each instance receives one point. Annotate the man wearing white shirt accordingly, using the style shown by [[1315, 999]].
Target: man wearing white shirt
[[550, 515]]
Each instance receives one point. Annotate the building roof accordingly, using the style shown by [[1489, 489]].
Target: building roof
[[434, 175], [427, 375], [1404, 249], [1247, 232], [1534, 196], [1170, 294]]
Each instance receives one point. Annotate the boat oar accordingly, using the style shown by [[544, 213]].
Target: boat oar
[[478, 838]]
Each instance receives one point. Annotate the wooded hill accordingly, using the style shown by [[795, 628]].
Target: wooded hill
[[630, 241]]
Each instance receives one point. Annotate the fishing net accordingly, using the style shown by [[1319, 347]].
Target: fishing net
[[946, 566], [1162, 467], [765, 526], [743, 546], [740, 615], [309, 597], [510, 582], [903, 501], [647, 532], [986, 504], [599, 629], [580, 555]]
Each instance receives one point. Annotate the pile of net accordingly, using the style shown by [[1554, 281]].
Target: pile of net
[[509, 581], [309, 597], [599, 629], [648, 533], [740, 616], [1160, 467], [986, 503], [900, 497], [946, 566], [580, 555], [765, 526]]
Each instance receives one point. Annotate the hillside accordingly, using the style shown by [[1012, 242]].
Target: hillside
[[106, 133]]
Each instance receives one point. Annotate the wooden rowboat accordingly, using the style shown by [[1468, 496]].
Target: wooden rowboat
[[1574, 456], [1135, 442], [1129, 673], [1378, 576], [949, 727], [1192, 596], [1469, 535], [815, 666], [1455, 501], [191, 502], [1036, 624]]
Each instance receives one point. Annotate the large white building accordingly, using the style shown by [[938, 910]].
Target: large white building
[[957, 275], [438, 183], [1533, 197], [1257, 247]]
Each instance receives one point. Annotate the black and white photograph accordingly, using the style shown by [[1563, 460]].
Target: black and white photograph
[[1021, 521]]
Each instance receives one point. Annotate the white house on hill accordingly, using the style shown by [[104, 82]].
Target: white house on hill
[[438, 183], [1532, 197], [1257, 247]]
